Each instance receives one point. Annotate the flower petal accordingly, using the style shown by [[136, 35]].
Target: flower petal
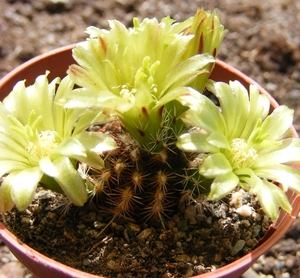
[[219, 140], [227, 100], [23, 186], [259, 109], [185, 72], [89, 118], [87, 98], [23, 100], [195, 142], [277, 124], [70, 181], [96, 141], [6, 201], [223, 185], [48, 167], [71, 147], [214, 165], [288, 176], [271, 197], [8, 166], [288, 151], [203, 113]]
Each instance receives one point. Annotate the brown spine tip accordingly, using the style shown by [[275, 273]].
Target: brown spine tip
[[200, 47], [141, 132], [103, 44], [160, 111], [214, 52], [145, 111]]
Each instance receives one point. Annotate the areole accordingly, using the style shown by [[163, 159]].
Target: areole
[[57, 62]]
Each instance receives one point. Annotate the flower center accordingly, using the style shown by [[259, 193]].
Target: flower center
[[47, 142], [241, 155], [128, 94]]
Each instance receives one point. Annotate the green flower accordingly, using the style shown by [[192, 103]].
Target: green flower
[[242, 144], [135, 73], [40, 142]]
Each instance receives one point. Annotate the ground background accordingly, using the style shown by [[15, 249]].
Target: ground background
[[263, 42]]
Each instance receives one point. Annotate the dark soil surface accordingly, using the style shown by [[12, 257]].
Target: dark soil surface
[[263, 42], [201, 237]]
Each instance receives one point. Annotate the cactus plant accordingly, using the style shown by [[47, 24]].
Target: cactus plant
[[132, 128], [138, 76]]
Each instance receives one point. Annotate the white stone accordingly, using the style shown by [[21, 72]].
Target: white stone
[[244, 210]]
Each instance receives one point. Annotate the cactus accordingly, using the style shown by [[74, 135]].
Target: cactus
[[138, 75]]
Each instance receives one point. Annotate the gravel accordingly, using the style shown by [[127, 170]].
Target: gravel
[[191, 243]]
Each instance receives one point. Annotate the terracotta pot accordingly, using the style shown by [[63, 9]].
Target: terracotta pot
[[57, 62]]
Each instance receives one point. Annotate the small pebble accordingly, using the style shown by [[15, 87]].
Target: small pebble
[[44, 194], [269, 265], [201, 218], [244, 211], [81, 226], [251, 242], [199, 269], [133, 228], [257, 267], [238, 247], [190, 212], [236, 199], [26, 220], [98, 225], [218, 258], [189, 272], [182, 225], [271, 86], [12, 270], [295, 94], [192, 221], [256, 216], [10, 256], [167, 275], [86, 262], [194, 259], [288, 245], [285, 275], [246, 223], [171, 224], [112, 265], [91, 216], [4, 260], [183, 258], [145, 234], [159, 245], [279, 264], [290, 262], [256, 230], [247, 235], [209, 220]]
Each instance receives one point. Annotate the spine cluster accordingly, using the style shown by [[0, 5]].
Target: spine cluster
[[144, 183]]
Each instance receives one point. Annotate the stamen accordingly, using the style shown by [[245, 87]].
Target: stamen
[[128, 94], [241, 155], [48, 141]]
